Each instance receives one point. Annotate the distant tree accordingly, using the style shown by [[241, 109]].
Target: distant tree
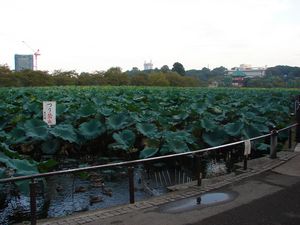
[[114, 76], [178, 68], [219, 71], [140, 79], [158, 79], [4, 70], [165, 69]]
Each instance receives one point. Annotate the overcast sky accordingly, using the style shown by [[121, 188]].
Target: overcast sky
[[89, 35]]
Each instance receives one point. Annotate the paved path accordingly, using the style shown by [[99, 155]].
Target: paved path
[[267, 185]]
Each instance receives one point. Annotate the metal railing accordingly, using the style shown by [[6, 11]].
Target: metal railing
[[130, 164]]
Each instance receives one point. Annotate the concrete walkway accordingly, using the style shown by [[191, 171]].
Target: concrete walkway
[[264, 177]]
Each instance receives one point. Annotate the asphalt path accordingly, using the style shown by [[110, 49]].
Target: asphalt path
[[280, 208], [269, 198]]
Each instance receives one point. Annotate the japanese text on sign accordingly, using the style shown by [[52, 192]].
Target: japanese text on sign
[[49, 112]]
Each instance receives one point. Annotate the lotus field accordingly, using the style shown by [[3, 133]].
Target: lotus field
[[130, 122]]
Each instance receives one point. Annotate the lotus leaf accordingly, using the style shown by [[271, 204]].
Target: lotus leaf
[[91, 129], [234, 129], [124, 140], [148, 130], [65, 132], [118, 121], [215, 137], [148, 152]]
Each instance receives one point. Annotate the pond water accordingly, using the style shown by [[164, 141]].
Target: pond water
[[68, 194]]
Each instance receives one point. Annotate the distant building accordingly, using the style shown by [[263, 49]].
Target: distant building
[[249, 71], [238, 78], [148, 66], [23, 62]]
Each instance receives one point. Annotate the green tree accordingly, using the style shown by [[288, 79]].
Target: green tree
[[178, 68], [158, 79], [4, 70], [139, 80], [165, 69], [114, 76]]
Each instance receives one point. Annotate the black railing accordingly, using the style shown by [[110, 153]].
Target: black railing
[[130, 164]]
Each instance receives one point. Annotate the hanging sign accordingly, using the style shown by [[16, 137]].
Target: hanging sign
[[247, 150], [49, 112]]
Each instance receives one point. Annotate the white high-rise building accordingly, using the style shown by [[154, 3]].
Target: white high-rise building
[[148, 66]]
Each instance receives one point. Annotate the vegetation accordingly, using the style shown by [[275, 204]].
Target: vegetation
[[131, 123], [114, 77], [279, 76]]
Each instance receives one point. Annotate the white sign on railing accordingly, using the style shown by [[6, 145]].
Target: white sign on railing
[[247, 150], [49, 112]]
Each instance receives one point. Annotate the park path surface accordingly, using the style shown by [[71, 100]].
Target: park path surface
[[268, 193]]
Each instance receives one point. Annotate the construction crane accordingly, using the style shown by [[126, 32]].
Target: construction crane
[[35, 53]]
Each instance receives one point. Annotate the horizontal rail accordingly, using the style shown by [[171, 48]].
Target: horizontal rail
[[132, 162], [288, 127]]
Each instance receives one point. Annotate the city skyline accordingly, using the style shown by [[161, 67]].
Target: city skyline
[[96, 35]]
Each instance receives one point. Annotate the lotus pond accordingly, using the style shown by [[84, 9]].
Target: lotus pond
[[97, 125]]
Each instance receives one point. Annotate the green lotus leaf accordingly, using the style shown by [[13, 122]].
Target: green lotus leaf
[[22, 168], [208, 125], [98, 101], [262, 128], [34, 123], [33, 107], [36, 129], [148, 152], [215, 138], [105, 111], [234, 129], [118, 121], [18, 135], [199, 108], [65, 132], [147, 129], [91, 129], [175, 146], [50, 146], [124, 140], [61, 109], [250, 131], [86, 110]]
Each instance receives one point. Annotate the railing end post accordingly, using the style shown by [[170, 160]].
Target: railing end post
[[273, 144], [131, 184], [33, 211]]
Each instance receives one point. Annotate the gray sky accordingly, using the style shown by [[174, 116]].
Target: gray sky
[[89, 35]]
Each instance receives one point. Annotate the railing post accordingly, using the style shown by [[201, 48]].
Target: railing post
[[290, 138], [247, 152], [297, 109], [32, 188], [245, 162], [131, 184], [198, 170], [273, 144]]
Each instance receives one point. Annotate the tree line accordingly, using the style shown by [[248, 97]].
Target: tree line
[[113, 76], [278, 76]]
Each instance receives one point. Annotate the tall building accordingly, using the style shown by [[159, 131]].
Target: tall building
[[148, 66], [23, 62]]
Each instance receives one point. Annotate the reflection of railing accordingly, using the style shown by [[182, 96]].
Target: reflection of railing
[[273, 143]]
